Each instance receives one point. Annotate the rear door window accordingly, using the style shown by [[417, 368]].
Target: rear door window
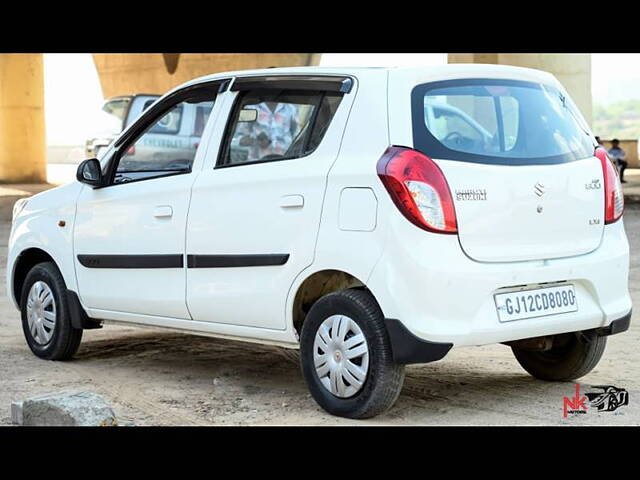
[[269, 125], [498, 121]]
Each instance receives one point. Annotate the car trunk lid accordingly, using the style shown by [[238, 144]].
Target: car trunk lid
[[527, 212]]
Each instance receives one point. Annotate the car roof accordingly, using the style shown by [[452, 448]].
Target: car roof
[[438, 72], [471, 68]]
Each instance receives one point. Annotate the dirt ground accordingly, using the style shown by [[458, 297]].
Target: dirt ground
[[155, 377]]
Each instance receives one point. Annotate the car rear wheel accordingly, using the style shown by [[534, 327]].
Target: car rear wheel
[[346, 356], [45, 314], [571, 356]]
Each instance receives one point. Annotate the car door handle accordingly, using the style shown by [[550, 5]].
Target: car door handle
[[163, 211], [292, 201]]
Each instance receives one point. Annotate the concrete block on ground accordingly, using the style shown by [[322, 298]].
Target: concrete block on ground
[[16, 413], [67, 409]]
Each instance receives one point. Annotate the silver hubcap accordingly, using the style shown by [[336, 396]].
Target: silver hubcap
[[41, 312], [341, 356]]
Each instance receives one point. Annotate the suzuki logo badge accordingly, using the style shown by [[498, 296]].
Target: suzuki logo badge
[[539, 189]]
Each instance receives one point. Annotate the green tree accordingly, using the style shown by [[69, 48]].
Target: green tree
[[620, 119]]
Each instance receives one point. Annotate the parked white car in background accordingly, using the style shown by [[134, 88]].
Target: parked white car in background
[[117, 113], [170, 143], [372, 218]]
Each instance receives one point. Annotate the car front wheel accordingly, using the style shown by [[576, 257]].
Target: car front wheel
[[45, 314], [346, 356]]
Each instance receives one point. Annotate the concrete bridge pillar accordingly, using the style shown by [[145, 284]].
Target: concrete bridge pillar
[[123, 74], [22, 130]]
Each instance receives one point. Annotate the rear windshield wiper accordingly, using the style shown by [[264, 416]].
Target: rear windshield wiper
[[563, 100]]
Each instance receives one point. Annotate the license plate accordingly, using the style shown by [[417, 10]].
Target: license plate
[[536, 303]]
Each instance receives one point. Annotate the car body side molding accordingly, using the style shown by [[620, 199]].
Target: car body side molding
[[221, 261], [177, 261], [131, 261]]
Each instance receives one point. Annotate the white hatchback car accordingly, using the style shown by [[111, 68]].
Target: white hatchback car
[[370, 217]]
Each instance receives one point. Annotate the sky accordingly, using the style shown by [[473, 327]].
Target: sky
[[73, 97], [615, 77]]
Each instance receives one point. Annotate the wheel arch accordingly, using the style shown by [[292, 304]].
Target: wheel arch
[[24, 262], [315, 286]]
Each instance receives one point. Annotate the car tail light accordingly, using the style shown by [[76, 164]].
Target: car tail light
[[418, 188], [131, 150], [613, 195]]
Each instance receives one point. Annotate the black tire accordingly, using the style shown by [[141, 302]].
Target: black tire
[[571, 356], [65, 340], [384, 378]]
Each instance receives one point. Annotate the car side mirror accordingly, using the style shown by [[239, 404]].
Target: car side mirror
[[89, 172]]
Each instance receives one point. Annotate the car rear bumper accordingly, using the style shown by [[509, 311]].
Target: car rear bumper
[[408, 348], [616, 326], [442, 296]]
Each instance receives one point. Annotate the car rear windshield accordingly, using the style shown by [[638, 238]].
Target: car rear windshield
[[498, 121]]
